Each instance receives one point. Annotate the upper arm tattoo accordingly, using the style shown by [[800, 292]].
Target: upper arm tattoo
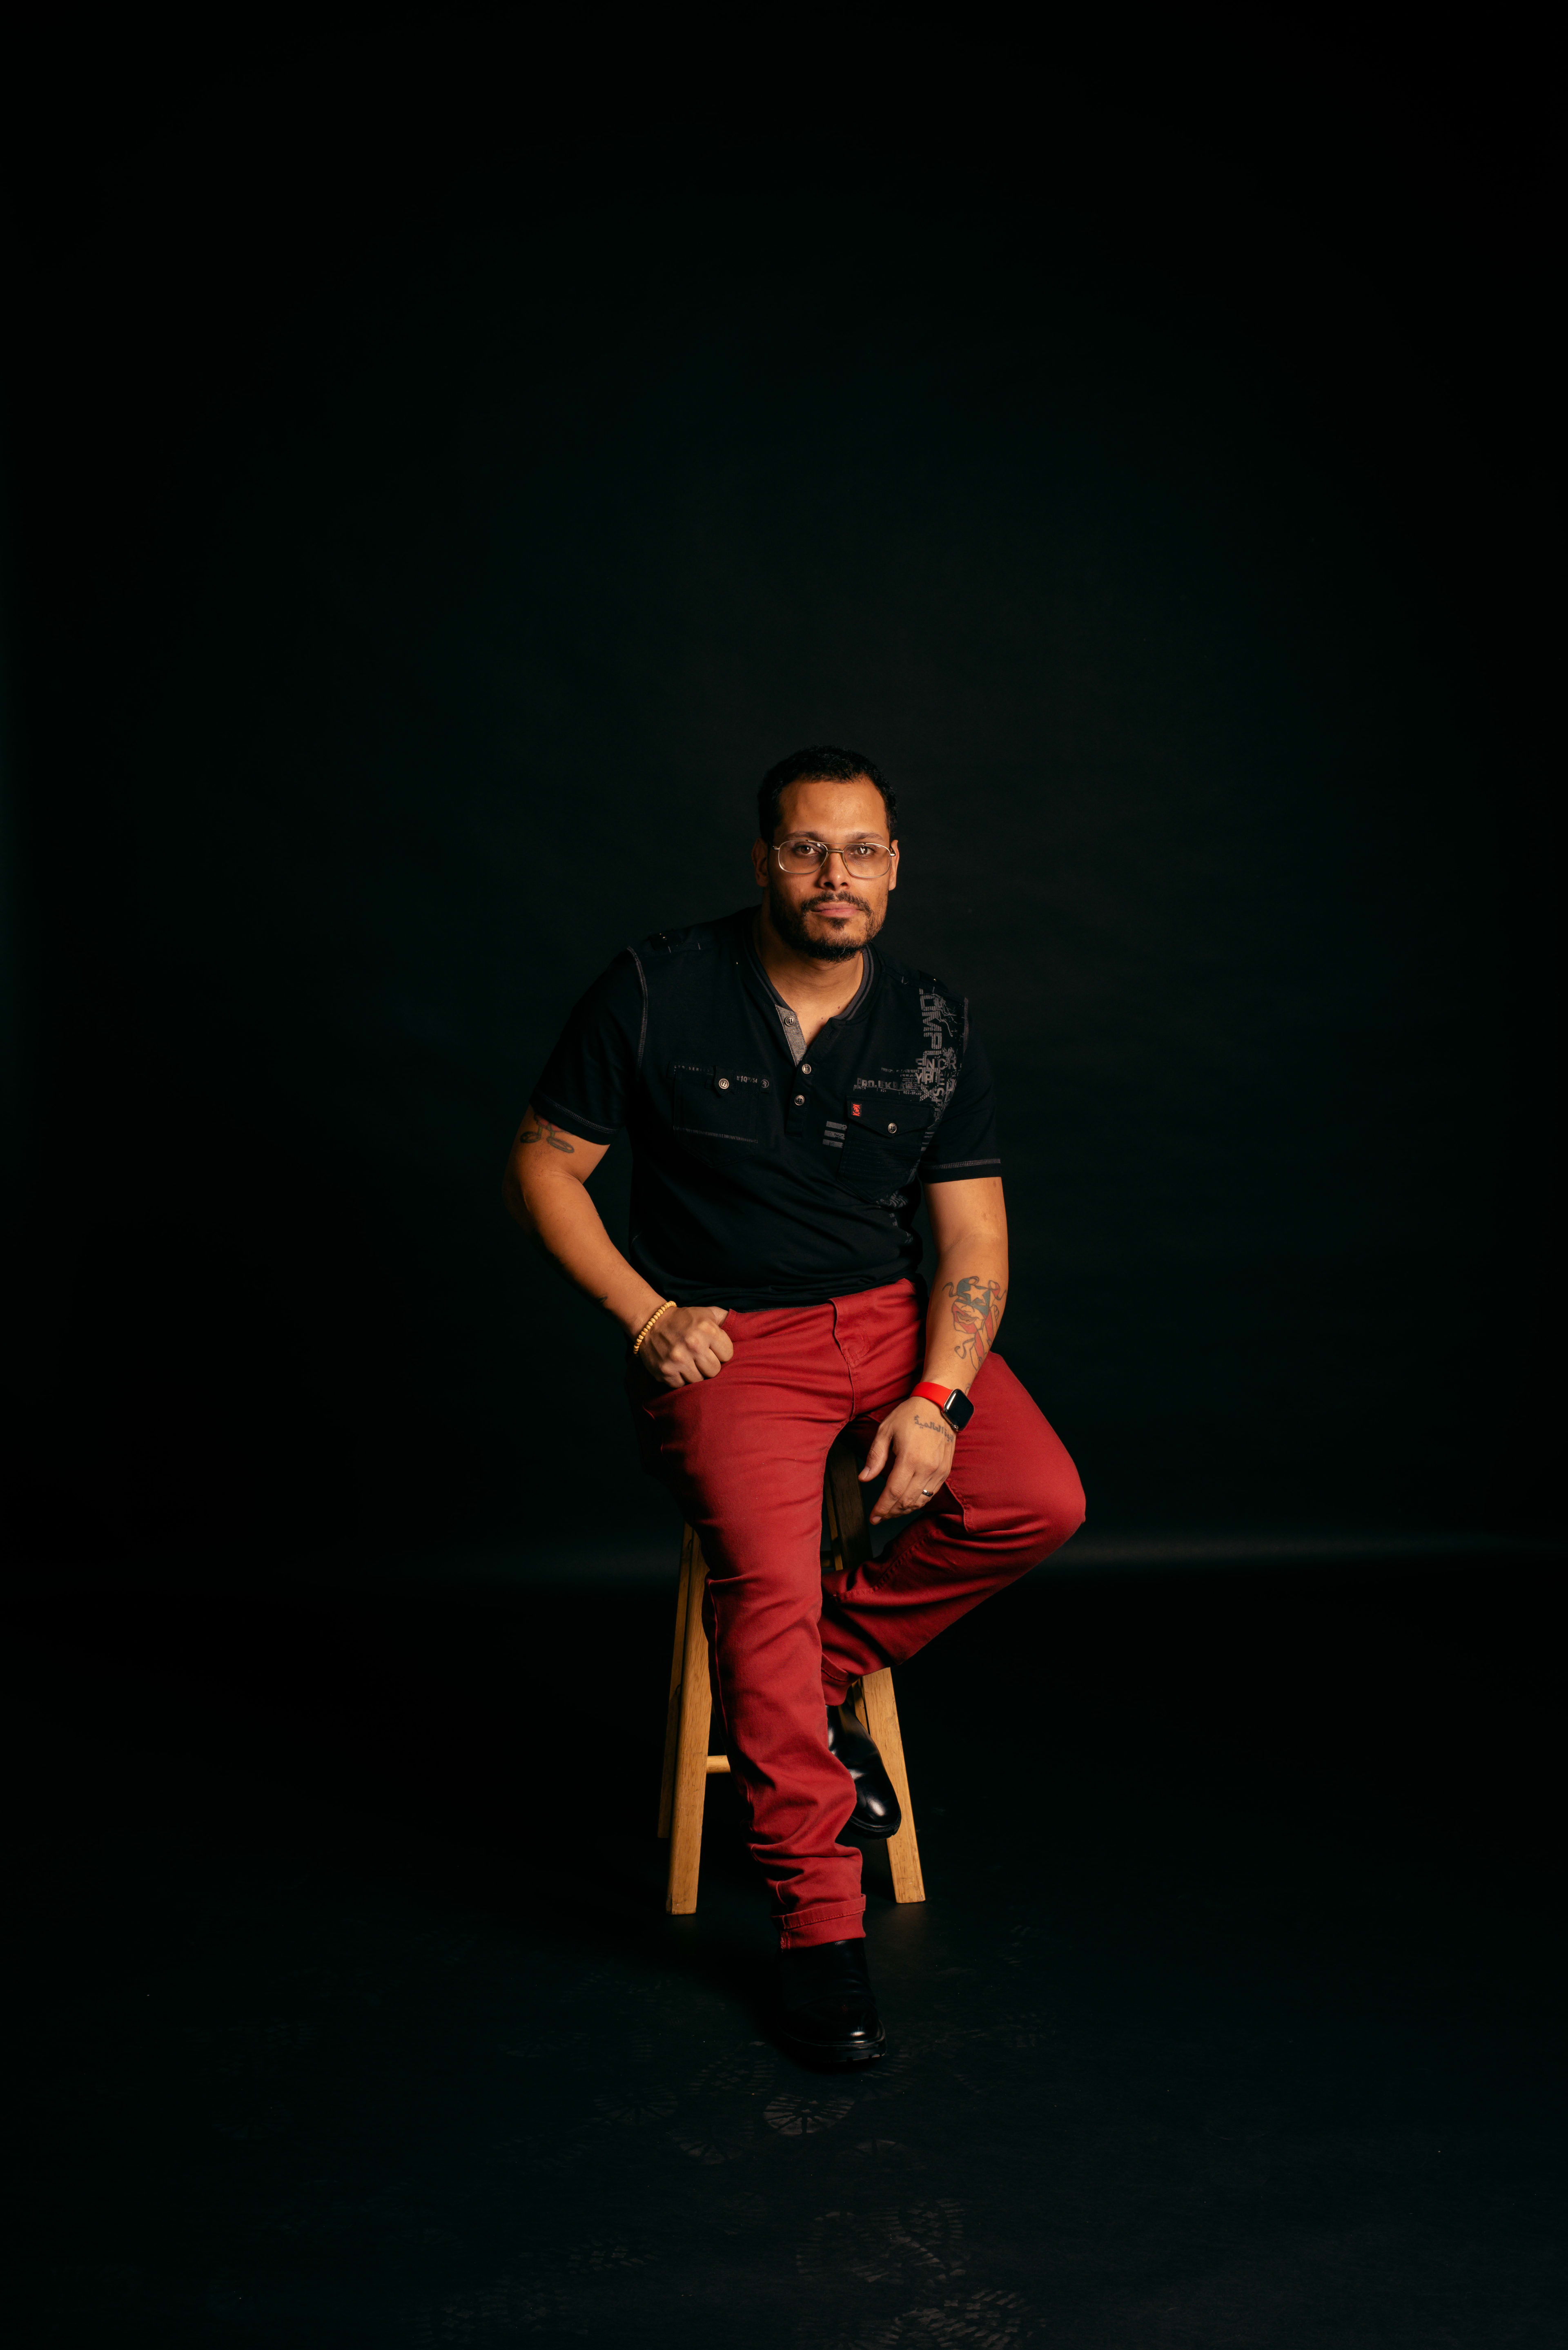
[[976, 1308], [545, 1132]]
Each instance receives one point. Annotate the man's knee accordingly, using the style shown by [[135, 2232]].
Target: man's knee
[[1066, 1507], [1041, 1507]]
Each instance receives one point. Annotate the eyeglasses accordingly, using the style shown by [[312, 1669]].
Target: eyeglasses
[[866, 860]]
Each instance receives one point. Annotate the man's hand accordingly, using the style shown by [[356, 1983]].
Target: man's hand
[[687, 1346], [918, 1442]]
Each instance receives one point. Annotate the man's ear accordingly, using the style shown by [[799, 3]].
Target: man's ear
[[760, 862], [893, 875]]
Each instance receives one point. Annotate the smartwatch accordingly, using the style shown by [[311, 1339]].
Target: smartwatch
[[952, 1402]]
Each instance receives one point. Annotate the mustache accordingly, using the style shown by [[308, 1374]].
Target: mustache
[[838, 898]]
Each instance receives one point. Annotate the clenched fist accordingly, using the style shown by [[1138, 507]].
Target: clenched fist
[[687, 1346]]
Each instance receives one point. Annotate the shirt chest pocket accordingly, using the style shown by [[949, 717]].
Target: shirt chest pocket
[[883, 1145], [719, 1104]]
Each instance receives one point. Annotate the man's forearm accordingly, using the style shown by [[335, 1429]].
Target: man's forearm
[[967, 1300], [570, 1230]]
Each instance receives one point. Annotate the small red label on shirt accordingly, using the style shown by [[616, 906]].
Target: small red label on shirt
[[854, 1110]]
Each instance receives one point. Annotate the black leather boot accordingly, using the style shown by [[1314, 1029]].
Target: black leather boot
[[877, 1809], [830, 2015]]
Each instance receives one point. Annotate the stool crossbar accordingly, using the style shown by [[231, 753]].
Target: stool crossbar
[[688, 1764]]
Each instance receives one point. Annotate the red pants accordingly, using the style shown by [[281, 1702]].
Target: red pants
[[744, 1455]]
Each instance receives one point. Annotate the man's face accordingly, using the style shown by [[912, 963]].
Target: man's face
[[827, 912]]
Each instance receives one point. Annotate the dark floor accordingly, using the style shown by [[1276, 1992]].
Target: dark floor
[[350, 2015]]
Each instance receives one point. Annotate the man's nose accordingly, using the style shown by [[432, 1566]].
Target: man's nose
[[827, 866]]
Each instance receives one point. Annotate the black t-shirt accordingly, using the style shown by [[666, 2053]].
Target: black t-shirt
[[755, 1181]]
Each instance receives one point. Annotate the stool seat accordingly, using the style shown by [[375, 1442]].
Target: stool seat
[[688, 1766]]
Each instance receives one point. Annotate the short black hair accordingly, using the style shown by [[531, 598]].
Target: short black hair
[[820, 763]]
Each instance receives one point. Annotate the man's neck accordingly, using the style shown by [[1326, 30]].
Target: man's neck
[[813, 989]]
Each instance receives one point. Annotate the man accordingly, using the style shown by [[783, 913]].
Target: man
[[789, 1089]]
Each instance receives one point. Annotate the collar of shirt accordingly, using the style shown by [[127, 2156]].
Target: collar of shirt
[[793, 1037]]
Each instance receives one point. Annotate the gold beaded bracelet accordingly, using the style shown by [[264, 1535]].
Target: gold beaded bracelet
[[665, 1308]]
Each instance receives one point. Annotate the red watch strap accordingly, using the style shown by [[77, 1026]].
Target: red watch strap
[[933, 1393]]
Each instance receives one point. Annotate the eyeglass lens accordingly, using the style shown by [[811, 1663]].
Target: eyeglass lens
[[801, 855]]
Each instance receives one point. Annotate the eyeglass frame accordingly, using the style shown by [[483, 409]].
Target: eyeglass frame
[[890, 848]]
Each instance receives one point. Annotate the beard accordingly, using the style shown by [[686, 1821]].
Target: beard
[[789, 920]]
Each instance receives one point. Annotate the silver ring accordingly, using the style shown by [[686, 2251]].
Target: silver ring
[[928, 1491]]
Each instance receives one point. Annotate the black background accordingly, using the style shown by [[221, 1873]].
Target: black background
[[417, 554], [435, 490]]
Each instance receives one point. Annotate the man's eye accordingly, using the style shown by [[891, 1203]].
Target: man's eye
[[802, 852], [863, 853]]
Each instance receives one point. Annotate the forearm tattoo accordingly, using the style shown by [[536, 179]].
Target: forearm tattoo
[[976, 1308], [545, 1132]]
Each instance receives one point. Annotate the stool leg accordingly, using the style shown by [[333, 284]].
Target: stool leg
[[676, 1671], [879, 1712], [691, 1786]]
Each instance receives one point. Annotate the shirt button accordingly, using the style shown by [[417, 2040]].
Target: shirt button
[[800, 1101], [723, 1084], [892, 1129], [806, 1068]]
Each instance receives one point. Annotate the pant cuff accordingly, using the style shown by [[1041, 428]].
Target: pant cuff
[[829, 1922]]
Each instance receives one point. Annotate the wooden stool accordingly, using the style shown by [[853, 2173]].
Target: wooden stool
[[688, 1766]]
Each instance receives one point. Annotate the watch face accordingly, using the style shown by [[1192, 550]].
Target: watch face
[[959, 1409]]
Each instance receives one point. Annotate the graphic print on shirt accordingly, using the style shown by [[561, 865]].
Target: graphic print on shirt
[[935, 1075]]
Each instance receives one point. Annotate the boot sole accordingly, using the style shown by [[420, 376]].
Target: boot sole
[[867, 1828], [838, 2056]]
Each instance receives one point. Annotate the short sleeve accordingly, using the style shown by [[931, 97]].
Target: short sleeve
[[586, 1083], [965, 1143]]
